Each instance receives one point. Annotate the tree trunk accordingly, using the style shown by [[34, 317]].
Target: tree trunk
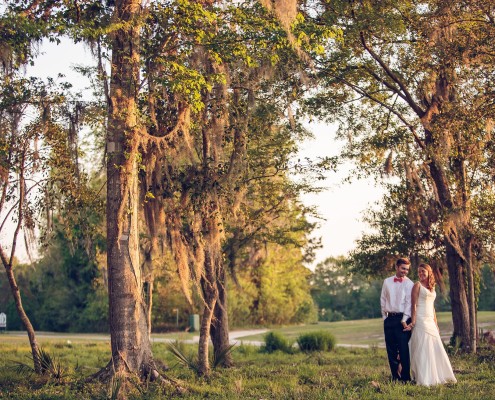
[[8, 262], [210, 297], [204, 337], [256, 262], [458, 298], [213, 132], [471, 295], [459, 261], [220, 323], [131, 347], [22, 314]]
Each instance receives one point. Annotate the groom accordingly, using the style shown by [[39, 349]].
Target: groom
[[395, 302]]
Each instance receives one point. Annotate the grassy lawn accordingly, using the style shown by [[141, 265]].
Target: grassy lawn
[[356, 373], [343, 373], [370, 331]]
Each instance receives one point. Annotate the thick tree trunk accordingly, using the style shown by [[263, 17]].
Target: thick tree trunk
[[131, 347], [458, 297], [220, 323], [458, 244]]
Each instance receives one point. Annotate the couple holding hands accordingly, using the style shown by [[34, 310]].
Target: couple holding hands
[[412, 337]]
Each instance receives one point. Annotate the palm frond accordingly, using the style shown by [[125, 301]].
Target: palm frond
[[21, 368], [189, 361], [49, 366], [219, 358]]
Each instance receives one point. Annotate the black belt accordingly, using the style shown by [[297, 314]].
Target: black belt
[[395, 314]]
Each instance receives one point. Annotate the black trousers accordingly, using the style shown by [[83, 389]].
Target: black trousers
[[397, 343]]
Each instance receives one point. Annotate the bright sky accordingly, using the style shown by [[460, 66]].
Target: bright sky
[[341, 204]]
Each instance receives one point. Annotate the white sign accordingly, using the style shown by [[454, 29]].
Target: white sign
[[3, 320]]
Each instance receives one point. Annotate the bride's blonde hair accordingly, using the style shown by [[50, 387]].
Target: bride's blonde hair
[[431, 277]]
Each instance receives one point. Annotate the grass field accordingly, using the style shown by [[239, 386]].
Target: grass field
[[355, 373], [370, 331]]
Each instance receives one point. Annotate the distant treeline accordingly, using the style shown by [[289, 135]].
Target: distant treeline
[[66, 292], [342, 295]]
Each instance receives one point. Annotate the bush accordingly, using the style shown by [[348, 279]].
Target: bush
[[316, 341], [306, 312], [276, 341]]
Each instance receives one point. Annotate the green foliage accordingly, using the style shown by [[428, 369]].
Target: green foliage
[[189, 360], [398, 226], [316, 341], [275, 341], [19, 32], [68, 286], [273, 291], [486, 301], [29, 300], [342, 294]]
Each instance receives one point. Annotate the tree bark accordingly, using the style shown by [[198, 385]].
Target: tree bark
[[213, 132], [458, 245], [458, 298], [471, 295], [256, 262], [22, 314], [220, 323], [131, 347], [210, 296]]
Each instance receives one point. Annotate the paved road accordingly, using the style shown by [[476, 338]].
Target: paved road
[[235, 337]]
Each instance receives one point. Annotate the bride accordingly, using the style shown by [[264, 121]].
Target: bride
[[430, 364]]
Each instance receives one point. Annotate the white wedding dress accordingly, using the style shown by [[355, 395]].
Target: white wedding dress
[[430, 364]]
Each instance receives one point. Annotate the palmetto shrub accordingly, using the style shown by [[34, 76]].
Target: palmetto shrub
[[316, 341], [276, 341]]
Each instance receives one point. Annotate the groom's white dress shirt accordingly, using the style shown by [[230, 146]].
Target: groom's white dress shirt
[[396, 297]]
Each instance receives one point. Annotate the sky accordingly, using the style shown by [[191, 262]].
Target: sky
[[341, 205]]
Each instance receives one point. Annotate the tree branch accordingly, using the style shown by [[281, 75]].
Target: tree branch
[[393, 76]]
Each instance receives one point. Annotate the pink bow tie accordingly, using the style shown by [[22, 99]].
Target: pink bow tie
[[398, 279]]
